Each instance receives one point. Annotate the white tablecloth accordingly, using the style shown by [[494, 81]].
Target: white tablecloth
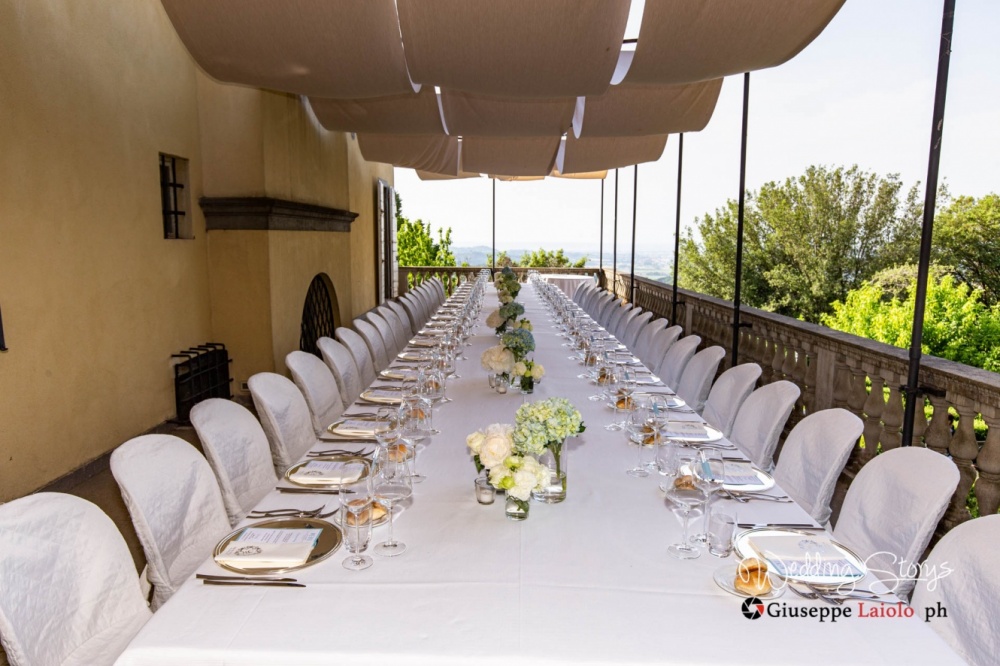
[[585, 581], [569, 283]]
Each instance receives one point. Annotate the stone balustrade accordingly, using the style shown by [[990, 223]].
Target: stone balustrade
[[452, 276], [836, 369]]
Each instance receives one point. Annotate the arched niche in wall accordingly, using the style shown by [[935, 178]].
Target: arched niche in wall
[[320, 313]]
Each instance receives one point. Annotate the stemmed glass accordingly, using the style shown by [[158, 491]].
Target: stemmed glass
[[635, 427], [611, 383], [386, 427], [688, 498], [356, 507], [415, 422], [710, 475], [392, 484]]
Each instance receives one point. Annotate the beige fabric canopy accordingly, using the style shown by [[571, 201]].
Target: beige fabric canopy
[[412, 113], [430, 175], [587, 175], [516, 48], [328, 48], [469, 114], [437, 153], [635, 110], [531, 156], [681, 41], [597, 153]]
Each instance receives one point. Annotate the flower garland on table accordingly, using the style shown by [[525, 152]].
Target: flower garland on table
[[520, 341]]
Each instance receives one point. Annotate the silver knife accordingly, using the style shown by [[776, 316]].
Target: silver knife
[[308, 491], [269, 579], [251, 583]]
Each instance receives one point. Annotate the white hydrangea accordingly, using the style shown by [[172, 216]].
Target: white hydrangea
[[494, 319], [498, 359]]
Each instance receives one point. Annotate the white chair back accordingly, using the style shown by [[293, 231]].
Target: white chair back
[[696, 381], [631, 312], [399, 330], [813, 457], [338, 358], [617, 315], [644, 341], [318, 386], [385, 332], [676, 359], [69, 594], [761, 419], [728, 393], [893, 507], [409, 326], [609, 311], [376, 347], [583, 292], [285, 417], [969, 551], [175, 504], [603, 299], [635, 325], [409, 303], [661, 344], [237, 449], [359, 352]]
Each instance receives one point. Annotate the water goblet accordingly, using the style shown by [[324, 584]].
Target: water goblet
[[710, 475], [688, 498], [393, 484], [355, 507], [635, 429]]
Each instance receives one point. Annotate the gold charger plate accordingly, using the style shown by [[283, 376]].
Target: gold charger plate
[[331, 458], [329, 541], [414, 356], [398, 373], [337, 428], [371, 395]]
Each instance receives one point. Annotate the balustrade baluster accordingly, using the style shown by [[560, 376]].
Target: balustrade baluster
[[937, 436], [988, 466], [873, 408], [810, 378], [892, 418], [963, 449], [778, 361]]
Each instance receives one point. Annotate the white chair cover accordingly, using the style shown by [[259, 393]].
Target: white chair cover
[[427, 303], [635, 325], [385, 332], [728, 393], [359, 352], [583, 292], [644, 341], [761, 419], [813, 457], [412, 307], [973, 586], [285, 417], [676, 359], [175, 504], [599, 304], [696, 381], [69, 594], [237, 449], [409, 326], [616, 317], [661, 344], [400, 332], [338, 358], [318, 386], [892, 509], [631, 312], [438, 289], [608, 311], [376, 346]]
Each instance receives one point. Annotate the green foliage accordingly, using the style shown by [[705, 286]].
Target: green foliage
[[541, 258], [958, 325], [807, 241], [967, 239], [416, 245]]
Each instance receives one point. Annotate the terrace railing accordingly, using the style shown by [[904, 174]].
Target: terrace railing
[[836, 369], [452, 276]]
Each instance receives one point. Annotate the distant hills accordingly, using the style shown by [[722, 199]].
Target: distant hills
[[655, 265]]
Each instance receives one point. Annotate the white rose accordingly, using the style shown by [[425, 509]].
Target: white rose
[[496, 447], [475, 441], [538, 371], [520, 369], [526, 479], [494, 319]]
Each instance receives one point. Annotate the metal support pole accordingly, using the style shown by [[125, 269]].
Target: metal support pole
[[614, 245], [635, 194], [739, 224], [930, 196], [600, 260], [494, 264], [677, 225]]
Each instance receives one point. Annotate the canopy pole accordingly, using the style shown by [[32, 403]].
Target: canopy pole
[[494, 263], [739, 224], [600, 260], [635, 195], [677, 225], [911, 390], [614, 246]]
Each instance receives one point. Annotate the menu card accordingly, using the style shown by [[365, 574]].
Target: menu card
[[687, 430], [259, 547], [327, 472], [801, 555], [740, 474]]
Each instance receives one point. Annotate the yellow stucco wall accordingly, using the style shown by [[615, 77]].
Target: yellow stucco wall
[[94, 300]]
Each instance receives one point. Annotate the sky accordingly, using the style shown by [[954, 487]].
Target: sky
[[861, 93]]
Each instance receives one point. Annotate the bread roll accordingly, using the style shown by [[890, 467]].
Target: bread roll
[[751, 578]]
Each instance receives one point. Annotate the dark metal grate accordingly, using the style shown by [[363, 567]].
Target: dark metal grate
[[170, 193], [318, 318], [204, 373]]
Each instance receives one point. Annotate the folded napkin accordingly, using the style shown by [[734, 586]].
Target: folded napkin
[[384, 392], [257, 548], [800, 555], [354, 427], [327, 472], [740, 474], [688, 430]]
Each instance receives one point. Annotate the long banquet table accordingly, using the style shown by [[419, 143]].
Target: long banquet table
[[585, 581]]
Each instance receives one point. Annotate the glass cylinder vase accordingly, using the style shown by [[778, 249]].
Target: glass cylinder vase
[[527, 385], [516, 510], [554, 460]]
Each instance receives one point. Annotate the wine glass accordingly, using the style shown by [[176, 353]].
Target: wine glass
[[611, 383], [635, 428], [688, 498], [393, 483], [355, 507], [710, 475], [415, 422], [386, 427]]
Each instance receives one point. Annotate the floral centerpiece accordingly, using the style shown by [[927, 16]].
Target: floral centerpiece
[[499, 362], [507, 285], [509, 469], [505, 317], [541, 428], [530, 373], [519, 341]]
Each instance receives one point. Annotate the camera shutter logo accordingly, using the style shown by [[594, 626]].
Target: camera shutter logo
[[753, 608]]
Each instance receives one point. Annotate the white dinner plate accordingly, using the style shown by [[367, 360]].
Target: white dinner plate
[[808, 540], [711, 434], [383, 396], [766, 482]]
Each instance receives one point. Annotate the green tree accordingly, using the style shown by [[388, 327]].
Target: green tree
[[958, 325], [415, 242], [543, 258], [967, 239], [807, 241]]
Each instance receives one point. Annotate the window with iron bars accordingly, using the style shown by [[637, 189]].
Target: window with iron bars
[[174, 197]]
